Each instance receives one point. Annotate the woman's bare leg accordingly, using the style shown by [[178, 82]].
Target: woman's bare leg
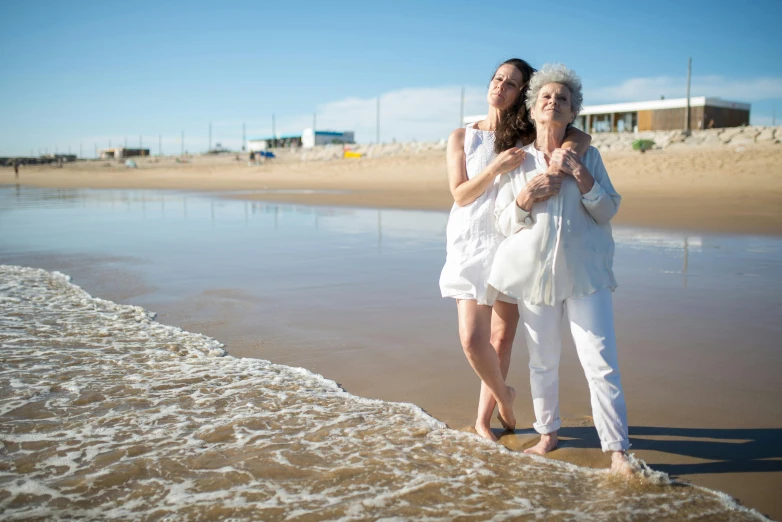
[[504, 320], [475, 333]]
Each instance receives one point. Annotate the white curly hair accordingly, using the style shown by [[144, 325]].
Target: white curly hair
[[555, 73]]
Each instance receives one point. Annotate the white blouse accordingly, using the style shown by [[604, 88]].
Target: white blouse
[[562, 248]]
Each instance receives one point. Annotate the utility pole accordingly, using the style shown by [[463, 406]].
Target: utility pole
[[461, 110], [274, 133], [377, 137], [687, 110]]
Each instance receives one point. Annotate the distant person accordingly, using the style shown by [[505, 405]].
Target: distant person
[[557, 260], [16, 168], [477, 155]]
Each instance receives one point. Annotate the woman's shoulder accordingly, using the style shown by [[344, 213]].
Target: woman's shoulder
[[456, 139], [458, 133], [592, 156]]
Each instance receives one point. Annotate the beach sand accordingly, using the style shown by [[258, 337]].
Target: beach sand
[[709, 190]]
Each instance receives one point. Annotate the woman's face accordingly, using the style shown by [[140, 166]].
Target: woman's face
[[553, 105], [505, 87]]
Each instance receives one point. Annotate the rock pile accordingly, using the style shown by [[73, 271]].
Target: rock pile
[[329, 152], [733, 136]]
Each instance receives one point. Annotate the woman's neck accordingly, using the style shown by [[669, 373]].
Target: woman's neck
[[491, 121], [549, 138]]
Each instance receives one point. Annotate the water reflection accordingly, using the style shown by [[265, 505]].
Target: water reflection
[[149, 223]]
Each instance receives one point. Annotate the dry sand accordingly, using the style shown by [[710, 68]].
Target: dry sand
[[703, 189], [725, 189]]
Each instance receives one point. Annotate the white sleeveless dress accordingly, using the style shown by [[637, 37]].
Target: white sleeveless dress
[[472, 237]]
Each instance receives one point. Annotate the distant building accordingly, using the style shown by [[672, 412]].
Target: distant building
[[310, 138], [121, 152], [269, 142], [306, 139], [705, 113]]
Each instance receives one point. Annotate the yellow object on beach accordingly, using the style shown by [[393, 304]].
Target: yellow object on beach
[[351, 154]]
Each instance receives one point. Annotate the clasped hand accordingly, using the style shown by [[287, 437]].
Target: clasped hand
[[563, 162]]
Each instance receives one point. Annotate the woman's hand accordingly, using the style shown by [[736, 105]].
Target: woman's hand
[[540, 188], [507, 160], [569, 163], [566, 161]]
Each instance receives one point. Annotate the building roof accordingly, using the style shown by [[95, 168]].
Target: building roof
[[328, 133], [673, 103]]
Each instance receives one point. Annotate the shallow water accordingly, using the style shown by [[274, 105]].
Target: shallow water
[[108, 414]]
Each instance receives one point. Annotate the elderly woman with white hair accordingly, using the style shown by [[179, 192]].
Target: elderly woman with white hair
[[557, 258]]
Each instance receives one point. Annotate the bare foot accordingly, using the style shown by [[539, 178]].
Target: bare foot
[[621, 465], [546, 443], [504, 424], [505, 413], [484, 430]]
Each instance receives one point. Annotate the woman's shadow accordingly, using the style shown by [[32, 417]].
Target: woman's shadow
[[728, 450]]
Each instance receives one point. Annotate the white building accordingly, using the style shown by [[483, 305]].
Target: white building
[[310, 138]]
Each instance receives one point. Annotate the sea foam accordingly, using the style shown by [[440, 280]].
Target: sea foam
[[108, 414]]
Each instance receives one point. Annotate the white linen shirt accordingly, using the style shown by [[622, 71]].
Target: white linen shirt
[[563, 248]]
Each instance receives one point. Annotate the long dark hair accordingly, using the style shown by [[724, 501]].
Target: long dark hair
[[514, 124]]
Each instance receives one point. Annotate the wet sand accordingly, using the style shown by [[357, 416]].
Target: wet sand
[[702, 392], [716, 189], [697, 410]]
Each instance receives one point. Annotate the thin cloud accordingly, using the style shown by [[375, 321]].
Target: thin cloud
[[425, 114], [422, 114], [641, 89]]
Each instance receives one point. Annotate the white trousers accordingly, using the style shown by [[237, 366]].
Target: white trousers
[[591, 321]]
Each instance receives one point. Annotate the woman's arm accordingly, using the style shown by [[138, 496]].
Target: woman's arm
[[465, 190], [577, 140], [597, 192]]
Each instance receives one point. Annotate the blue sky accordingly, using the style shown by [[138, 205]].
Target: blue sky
[[89, 72]]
